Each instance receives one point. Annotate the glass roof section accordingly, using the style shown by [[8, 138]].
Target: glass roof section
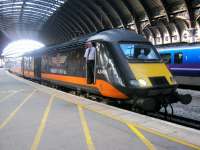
[[14, 13]]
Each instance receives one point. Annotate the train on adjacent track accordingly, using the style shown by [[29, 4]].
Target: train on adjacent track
[[120, 73], [184, 63]]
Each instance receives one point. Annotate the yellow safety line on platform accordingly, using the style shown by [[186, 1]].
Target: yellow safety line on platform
[[152, 131], [179, 141], [86, 129], [149, 145], [9, 95], [9, 91], [9, 118], [176, 140], [43, 121]]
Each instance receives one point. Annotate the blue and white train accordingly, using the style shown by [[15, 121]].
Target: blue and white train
[[184, 63]]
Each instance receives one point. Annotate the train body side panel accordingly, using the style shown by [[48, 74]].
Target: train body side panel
[[15, 65], [68, 68], [16, 70], [104, 87], [28, 67], [29, 74]]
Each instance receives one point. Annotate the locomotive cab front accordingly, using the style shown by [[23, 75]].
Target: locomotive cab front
[[151, 84], [147, 67]]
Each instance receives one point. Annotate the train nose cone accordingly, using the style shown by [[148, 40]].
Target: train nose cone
[[185, 99]]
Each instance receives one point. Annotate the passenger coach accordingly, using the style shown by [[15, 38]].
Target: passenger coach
[[183, 62]]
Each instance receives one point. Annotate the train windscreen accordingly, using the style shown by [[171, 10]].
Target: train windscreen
[[139, 52]]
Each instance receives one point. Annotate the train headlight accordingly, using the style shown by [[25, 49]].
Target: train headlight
[[142, 82], [173, 80], [134, 83]]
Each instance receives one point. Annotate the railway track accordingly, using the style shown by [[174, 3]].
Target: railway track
[[177, 119], [188, 122]]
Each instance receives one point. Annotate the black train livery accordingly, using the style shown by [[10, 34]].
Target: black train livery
[[128, 68]]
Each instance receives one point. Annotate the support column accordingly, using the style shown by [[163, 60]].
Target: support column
[[192, 32]]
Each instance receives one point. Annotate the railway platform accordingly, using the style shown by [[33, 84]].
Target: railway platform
[[36, 117]]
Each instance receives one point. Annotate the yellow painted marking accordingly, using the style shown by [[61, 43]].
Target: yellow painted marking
[[173, 139], [9, 95], [41, 128], [176, 140], [8, 91], [86, 129], [149, 145], [117, 118], [9, 118]]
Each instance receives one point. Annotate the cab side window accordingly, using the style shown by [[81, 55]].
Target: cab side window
[[178, 58], [106, 66], [166, 58]]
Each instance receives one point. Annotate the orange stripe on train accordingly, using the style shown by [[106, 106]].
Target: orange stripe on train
[[104, 87], [29, 74], [16, 70]]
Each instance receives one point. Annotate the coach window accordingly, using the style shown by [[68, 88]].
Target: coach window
[[44, 63], [178, 58], [31, 63], [166, 58], [26, 63], [26, 59]]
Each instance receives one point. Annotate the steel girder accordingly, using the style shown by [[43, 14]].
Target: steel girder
[[26, 14], [156, 15], [77, 17]]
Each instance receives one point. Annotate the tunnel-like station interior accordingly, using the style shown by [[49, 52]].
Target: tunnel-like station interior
[[99, 74], [57, 21]]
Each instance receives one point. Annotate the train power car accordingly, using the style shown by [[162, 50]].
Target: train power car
[[127, 68], [184, 63]]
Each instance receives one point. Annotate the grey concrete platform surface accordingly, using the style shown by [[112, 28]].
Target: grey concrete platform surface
[[37, 117]]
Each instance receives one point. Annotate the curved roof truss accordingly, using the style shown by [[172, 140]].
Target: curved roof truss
[[162, 21], [26, 13], [78, 17]]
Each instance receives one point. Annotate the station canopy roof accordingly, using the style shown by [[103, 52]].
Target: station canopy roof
[[25, 16], [56, 21]]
